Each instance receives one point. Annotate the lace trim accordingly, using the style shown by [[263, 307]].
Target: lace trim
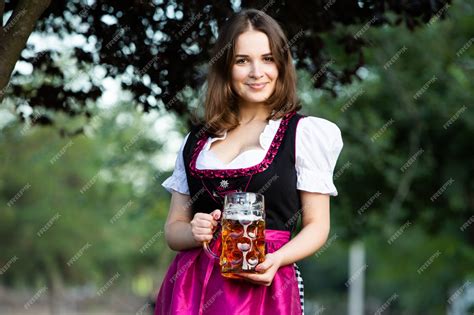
[[229, 173]]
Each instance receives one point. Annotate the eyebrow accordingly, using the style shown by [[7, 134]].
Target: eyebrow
[[264, 55]]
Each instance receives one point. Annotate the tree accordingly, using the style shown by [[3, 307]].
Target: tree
[[15, 33], [79, 211], [158, 49], [405, 175]]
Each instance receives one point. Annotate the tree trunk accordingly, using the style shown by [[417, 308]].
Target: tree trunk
[[357, 268], [15, 33], [55, 290]]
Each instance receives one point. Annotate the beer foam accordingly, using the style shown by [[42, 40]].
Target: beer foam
[[242, 217]]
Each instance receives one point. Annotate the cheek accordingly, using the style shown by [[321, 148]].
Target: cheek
[[239, 74], [272, 72]]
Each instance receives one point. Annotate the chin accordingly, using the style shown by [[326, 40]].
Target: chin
[[253, 99]]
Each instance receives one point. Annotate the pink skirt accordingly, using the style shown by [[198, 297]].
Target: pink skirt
[[194, 285]]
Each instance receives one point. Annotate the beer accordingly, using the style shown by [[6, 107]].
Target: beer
[[243, 241], [242, 235]]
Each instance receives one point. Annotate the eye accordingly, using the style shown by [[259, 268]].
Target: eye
[[268, 59], [240, 61]]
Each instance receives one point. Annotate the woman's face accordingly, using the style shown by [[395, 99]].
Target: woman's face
[[254, 72]]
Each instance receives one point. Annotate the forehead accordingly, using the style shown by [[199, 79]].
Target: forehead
[[252, 43]]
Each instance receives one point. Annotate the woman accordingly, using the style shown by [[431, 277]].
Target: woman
[[252, 140]]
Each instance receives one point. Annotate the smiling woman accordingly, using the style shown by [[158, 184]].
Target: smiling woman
[[254, 73], [251, 140], [251, 55]]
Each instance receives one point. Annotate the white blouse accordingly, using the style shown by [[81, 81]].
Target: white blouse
[[318, 145]]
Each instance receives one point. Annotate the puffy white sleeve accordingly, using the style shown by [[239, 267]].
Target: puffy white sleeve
[[178, 181], [318, 145]]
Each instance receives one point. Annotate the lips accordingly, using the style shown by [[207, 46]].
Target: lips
[[257, 86]]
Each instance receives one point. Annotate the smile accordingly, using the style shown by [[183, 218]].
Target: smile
[[258, 86]]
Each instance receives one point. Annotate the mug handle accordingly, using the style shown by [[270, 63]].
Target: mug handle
[[208, 250]]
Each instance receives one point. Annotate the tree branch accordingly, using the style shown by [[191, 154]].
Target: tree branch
[[2, 10], [415, 138], [15, 34]]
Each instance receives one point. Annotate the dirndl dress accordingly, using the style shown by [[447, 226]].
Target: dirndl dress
[[193, 283]]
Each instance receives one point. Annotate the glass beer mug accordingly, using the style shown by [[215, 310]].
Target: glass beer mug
[[242, 235]]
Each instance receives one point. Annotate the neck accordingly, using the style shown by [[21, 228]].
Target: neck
[[253, 112]]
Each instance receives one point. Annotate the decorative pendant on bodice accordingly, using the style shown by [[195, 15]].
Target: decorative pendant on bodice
[[224, 188]]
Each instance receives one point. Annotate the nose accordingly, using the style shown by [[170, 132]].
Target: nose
[[256, 71]]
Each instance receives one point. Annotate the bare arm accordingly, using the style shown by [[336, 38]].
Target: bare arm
[[178, 227], [312, 236], [315, 231], [182, 230]]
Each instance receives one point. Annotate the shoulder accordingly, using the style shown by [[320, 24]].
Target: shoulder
[[315, 129], [184, 141]]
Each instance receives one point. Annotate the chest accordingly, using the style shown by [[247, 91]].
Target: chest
[[238, 141]]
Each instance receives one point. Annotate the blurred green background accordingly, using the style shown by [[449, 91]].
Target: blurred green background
[[82, 218]]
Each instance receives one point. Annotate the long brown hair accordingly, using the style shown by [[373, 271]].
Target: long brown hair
[[220, 104]]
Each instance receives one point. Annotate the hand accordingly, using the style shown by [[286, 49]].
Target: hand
[[266, 269], [203, 224]]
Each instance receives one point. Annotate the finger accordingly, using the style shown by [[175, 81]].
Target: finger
[[264, 266], [216, 214], [255, 280], [204, 224], [244, 277], [203, 217], [202, 231], [250, 276], [203, 238]]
